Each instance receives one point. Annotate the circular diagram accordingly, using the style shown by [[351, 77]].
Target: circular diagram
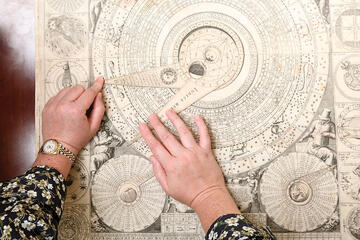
[[353, 223], [299, 192], [65, 74], [348, 77], [121, 200], [65, 5], [65, 35], [346, 28], [349, 127], [263, 50], [77, 182], [73, 224]]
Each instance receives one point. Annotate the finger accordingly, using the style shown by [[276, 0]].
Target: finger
[[159, 173], [96, 114], [187, 139], [87, 98], [167, 138], [61, 94], [205, 141], [155, 146], [74, 93]]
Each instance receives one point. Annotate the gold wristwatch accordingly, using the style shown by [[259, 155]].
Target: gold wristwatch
[[53, 147]]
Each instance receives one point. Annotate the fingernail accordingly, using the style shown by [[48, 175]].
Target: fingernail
[[100, 80], [197, 117]]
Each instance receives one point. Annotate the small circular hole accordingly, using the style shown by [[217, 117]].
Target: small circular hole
[[197, 70]]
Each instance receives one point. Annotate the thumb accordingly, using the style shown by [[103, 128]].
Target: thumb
[[96, 114], [159, 173]]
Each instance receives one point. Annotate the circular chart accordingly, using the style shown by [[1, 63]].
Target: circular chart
[[353, 223], [262, 50], [299, 192], [122, 201], [65, 74], [73, 224], [348, 77], [349, 126]]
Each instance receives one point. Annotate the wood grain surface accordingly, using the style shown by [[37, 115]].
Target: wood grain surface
[[17, 94]]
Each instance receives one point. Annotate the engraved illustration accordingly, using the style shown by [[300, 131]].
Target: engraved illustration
[[279, 93], [353, 223], [318, 138], [349, 127], [324, 8], [77, 182], [104, 144], [299, 192], [95, 12], [348, 77], [350, 184], [65, 5], [347, 28], [65, 74], [65, 35], [74, 223], [120, 198]]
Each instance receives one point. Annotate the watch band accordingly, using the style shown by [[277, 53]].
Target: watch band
[[67, 153], [59, 149]]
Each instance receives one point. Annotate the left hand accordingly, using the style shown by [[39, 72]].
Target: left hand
[[186, 170]]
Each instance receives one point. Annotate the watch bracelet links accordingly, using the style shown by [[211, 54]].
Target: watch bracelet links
[[64, 151]]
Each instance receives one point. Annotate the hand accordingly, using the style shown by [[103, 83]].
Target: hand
[[186, 170], [65, 119]]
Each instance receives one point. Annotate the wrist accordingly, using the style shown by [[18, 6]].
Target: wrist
[[212, 204], [65, 144], [71, 148]]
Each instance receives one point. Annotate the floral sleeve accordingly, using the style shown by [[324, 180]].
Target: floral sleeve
[[31, 205], [236, 227]]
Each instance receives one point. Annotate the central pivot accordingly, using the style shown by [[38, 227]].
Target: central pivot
[[213, 54], [128, 193], [299, 192], [197, 70]]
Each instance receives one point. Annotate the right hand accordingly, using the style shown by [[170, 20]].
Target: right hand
[[186, 170], [65, 119]]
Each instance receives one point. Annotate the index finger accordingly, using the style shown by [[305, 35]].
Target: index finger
[[87, 98]]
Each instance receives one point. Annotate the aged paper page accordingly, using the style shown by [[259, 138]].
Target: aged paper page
[[278, 82]]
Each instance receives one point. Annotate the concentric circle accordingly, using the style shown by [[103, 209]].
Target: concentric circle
[[73, 224], [122, 203], [353, 223], [348, 77], [349, 126], [261, 47], [65, 74], [299, 192]]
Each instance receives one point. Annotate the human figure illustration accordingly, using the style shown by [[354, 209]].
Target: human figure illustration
[[319, 135], [105, 143], [66, 80]]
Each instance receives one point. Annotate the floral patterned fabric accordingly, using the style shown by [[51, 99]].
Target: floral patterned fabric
[[31, 205], [236, 227]]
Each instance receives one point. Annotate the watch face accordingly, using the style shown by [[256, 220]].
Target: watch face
[[50, 146]]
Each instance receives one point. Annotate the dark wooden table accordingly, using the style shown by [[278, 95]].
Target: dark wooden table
[[17, 94]]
